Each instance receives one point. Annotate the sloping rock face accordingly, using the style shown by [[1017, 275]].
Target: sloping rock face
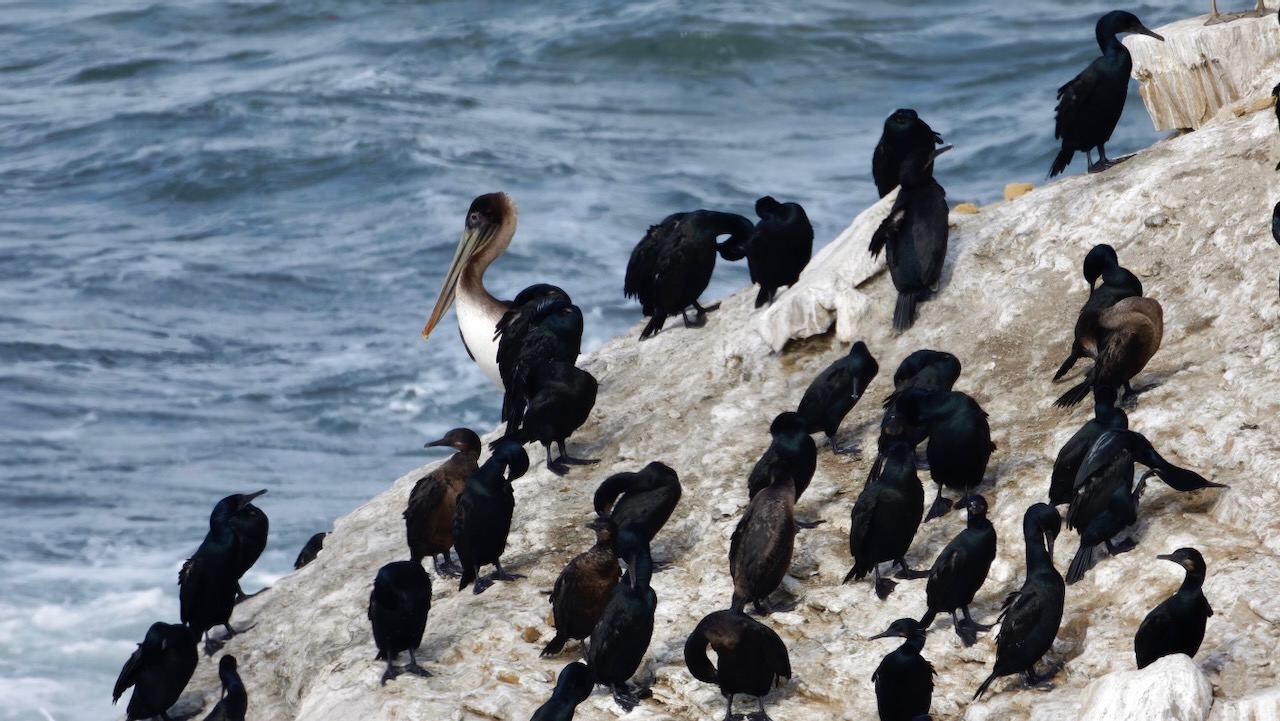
[[1189, 216]]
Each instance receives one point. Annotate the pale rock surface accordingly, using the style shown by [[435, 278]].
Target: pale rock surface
[[1260, 706], [1189, 216], [1171, 688]]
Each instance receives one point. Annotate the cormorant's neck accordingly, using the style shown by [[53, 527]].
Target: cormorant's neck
[[641, 569], [1109, 41], [1037, 551], [1193, 581], [978, 523], [914, 643]]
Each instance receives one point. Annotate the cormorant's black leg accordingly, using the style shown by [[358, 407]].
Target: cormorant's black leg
[[908, 573], [391, 671], [413, 666], [501, 575], [883, 586], [759, 715], [447, 567], [566, 458]]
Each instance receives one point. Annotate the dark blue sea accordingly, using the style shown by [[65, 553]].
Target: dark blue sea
[[223, 225]]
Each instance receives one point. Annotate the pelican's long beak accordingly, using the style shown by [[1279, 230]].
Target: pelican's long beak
[[472, 240]]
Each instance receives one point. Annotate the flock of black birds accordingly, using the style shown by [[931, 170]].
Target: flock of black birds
[[529, 348]]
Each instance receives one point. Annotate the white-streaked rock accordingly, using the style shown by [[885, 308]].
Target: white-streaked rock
[[1172, 688], [1263, 705]]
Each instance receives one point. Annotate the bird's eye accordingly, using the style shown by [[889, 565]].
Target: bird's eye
[[473, 219]]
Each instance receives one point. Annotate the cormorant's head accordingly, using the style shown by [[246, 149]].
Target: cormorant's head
[[901, 121], [1099, 258], [488, 214], [787, 423], [1043, 519], [510, 453], [460, 439], [976, 504], [1188, 558], [575, 683], [902, 628], [767, 206], [226, 670]]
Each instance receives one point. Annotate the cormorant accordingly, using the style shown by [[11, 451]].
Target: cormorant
[[904, 679], [310, 550], [428, 517], [779, 248], [836, 390], [959, 439], [621, 636], [647, 498], [1031, 616], [158, 671], [1125, 336], [792, 447], [482, 516], [1118, 283], [208, 581], [560, 399], [750, 658], [573, 686], [250, 525], [1106, 417], [235, 700], [762, 543], [542, 326], [1089, 106], [1177, 624], [885, 518], [584, 587], [398, 608], [930, 370], [904, 132], [672, 264], [915, 234], [1120, 512], [960, 570], [1275, 212]]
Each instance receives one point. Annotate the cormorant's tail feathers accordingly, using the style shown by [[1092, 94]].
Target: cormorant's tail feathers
[[904, 314], [983, 688], [1067, 364], [1081, 563], [1061, 162], [555, 646], [655, 324], [764, 296], [1074, 394]]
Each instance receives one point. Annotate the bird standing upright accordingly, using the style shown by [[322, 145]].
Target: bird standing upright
[[1118, 283], [904, 132], [398, 608], [836, 390], [209, 580], [750, 657], [960, 570], [1177, 624], [234, 703], [648, 497], [779, 248], [428, 517], [904, 679], [482, 517], [621, 636], [583, 588]]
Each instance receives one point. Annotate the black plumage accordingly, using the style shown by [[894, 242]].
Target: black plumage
[[310, 550], [583, 588], [1275, 212], [234, 703], [792, 448], [573, 686], [904, 132], [959, 439], [960, 570], [762, 543], [914, 235], [482, 517], [836, 390], [930, 370], [1031, 616], [398, 608], [884, 520], [1177, 624], [671, 266], [560, 400], [1120, 512], [1118, 283], [750, 658], [644, 499], [428, 516], [158, 671], [209, 580], [541, 326], [251, 527], [1089, 106], [1106, 417], [904, 679], [1121, 339], [779, 248], [621, 636]]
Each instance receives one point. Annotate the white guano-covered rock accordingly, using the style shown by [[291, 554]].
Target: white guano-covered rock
[[1172, 688]]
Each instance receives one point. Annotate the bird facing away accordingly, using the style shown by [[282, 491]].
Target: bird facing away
[[621, 636], [761, 546], [234, 703], [584, 587], [1177, 624], [310, 550], [930, 370], [904, 133], [1089, 106], [1124, 338], [542, 326], [158, 671], [482, 516], [1118, 283], [1275, 212], [1120, 513], [750, 658], [428, 517], [884, 520], [209, 580], [672, 264], [779, 248], [960, 570], [398, 608], [573, 686], [792, 448], [560, 400], [1106, 417], [1031, 616], [959, 439], [914, 234], [644, 499], [904, 679], [836, 390]]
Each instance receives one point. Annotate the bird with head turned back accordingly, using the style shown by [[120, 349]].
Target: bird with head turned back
[[779, 248], [904, 132], [750, 658]]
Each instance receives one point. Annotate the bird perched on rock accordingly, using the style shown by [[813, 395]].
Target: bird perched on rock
[[560, 399], [621, 636], [1120, 513], [573, 686], [904, 679], [960, 570], [482, 517], [779, 248], [1031, 616], [791, 447], [234, 703], [1106, 417], [428, 518], [644, 499], [959, 439], [542, 326], [251, 525], [1215, 17], [914, 234], [761, 546], [884, 520], [836, 390], [158, 671], [209, 580], [750, 658], [1118, 283], [1125, 336], [310, 550], [1177, 624], [672, 264], [929, 370], [1275, 212], [1089, 106], [398, 608], [584, 587], [904, 132]]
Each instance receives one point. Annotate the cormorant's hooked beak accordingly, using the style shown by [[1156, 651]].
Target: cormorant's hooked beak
[[250, 496], [890, 633], [597, 524], [1168, 557], [440, 441], [471, 241], [939, 151], [1144, 30]]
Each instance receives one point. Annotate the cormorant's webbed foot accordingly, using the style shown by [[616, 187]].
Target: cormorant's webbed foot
[[448, 567], [809, 524], [629, 699], [967, 629], [481, 585], [414, 668], [921, 462], [941, 507], [1040, 681], [764, 606], [883, 586], [501, 575], [908, 573], [1105, 163], [211, 646], [699, 319], [1130, 399]]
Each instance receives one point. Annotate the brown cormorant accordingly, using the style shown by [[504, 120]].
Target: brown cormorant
[[1125, 336], [234, 703], [960, 570], [428, 518], [904, 132], [750, 658], [310, 550], [209, 580], [542, 326], [1106, 417], [584, 587], [573, 686], [779, 248], [647, 500], [561, 397], [1118, 283], [885, 518], [158, 671], [762, 543], [621, 636], [793, 448], [904, 679], [1177, 624], [482, 516], [398, 608], [959, 439], [835, 391]]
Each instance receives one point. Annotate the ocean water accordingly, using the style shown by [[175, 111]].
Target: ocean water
[[224, 225]]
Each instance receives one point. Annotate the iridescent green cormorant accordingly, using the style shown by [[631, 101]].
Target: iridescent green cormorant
[[761, 546], [1177, 624], [644, 499], [1118, 283], [584, 587], [482, 517], [621, 636], [209, 580], [1106, 417], [904, 679], [573, 686], [779, 248], [750, 658], [914, 234], [542, 326], [1089, 106], [1125, 336], [1031, 616], [672, 264], [792, 447], [561, 397], [885, 518], [398, 608], [235, 700], [960, 570], [959, 439], [310, 550], [428, 517], [835, 391], [904, 132], [158, 671]]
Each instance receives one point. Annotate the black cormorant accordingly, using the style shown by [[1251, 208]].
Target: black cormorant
[[1125, 336], [779, 248], [573, 686], [542, 326], [960, 570], [1275, 212], [234, 703], [1120, 512], [209, 580], [762, 543], [959, 439], [584, 587], [930, 370], [1089, 106], [158, 671], [251, 527], [1177, 624], [647, 500], [428, 517], [793, 448], [310, 550], [621, 636], [750, 658], [482, 517], [1106, 417], [1118, 283], [904, 679], [560, 399], [904, 132], [835, 391], [398, 608], [885, 518]]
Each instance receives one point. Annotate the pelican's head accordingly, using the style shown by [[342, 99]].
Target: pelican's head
[[491, 222]]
